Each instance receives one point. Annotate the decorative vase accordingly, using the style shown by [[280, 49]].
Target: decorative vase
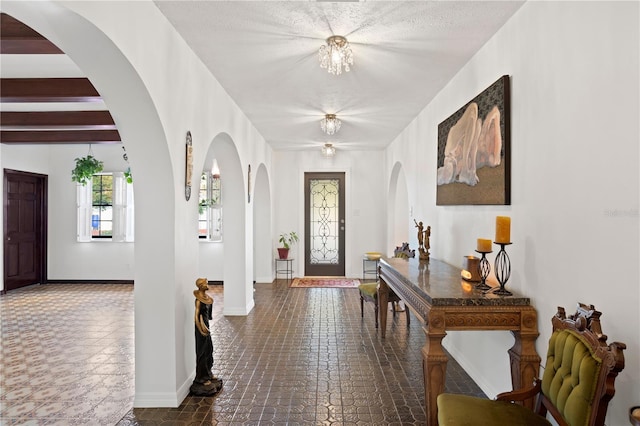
[[283, 253]]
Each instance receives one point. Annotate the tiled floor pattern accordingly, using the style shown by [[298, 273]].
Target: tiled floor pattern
[[67, 354], [301, 357]]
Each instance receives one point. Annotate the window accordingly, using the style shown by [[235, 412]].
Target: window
[[210, 206], [102, 206], [105, 208]]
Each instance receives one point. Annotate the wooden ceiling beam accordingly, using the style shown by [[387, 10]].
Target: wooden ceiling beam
[[96, 120], [59, 136], [14, 90], [18, 38]]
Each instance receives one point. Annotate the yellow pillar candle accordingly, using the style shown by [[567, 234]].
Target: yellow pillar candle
[[484, 245], [503, 229]]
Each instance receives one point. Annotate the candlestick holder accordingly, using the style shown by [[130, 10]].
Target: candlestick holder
[[484, 268], [502, 266]]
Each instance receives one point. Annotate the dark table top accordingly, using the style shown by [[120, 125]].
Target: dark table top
[[441, 284]]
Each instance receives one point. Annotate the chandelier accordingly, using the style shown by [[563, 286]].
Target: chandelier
[[328, 150], [336, 54], [330, 124]]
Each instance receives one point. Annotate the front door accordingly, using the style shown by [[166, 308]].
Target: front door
[[24, 229], [324, 224]]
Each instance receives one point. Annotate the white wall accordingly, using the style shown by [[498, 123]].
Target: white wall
[[67, 258], [365, 215], [575, 185], [156, 92]]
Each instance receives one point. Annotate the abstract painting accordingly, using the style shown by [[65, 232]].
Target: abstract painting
[[473, 151]]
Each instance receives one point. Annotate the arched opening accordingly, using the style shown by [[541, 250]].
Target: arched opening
[[137, 119], [262, 227], [237, 228], [399, 211]]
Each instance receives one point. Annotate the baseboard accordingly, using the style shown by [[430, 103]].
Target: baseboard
[[264, 280], [88, 282], [239, 312], [183, 391], [157, 400]]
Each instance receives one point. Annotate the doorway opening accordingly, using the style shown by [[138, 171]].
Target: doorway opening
[[324, 224]]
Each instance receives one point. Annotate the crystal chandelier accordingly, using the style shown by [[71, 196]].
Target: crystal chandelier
[[328, 150], [336, 54], [330, 124]]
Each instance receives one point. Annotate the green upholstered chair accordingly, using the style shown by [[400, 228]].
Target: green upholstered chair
[[369, 293], [575, 389]]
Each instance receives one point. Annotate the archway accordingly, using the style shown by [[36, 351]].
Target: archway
[[262, 231], [158, 337], [237, 228], [399, 209]]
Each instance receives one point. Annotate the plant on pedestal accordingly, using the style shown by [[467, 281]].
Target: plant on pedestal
[[287, 239]]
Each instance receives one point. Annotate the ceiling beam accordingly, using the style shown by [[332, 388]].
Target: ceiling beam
[[48, 90], [18, 38], [89, 120], [59, 136]]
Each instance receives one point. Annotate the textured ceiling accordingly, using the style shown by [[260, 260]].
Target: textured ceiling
[[265, 56]]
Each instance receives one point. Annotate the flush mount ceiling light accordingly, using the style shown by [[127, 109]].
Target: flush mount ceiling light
[[330, 124], [335, 55], [328, 150]]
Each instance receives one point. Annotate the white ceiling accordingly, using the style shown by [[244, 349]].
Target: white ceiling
[[264, 54]]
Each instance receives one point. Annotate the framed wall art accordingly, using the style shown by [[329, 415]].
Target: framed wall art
[[474, 150]]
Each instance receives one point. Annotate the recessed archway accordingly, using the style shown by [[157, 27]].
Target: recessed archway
[[399, 211], [262, 231]]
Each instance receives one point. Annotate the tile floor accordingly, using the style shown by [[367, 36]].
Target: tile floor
[[301, 357]]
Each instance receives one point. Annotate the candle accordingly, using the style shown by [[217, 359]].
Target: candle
[[484, 245], [503, 229]]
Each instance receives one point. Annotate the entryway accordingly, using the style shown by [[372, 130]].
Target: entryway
[[324, 224], [25, 226]]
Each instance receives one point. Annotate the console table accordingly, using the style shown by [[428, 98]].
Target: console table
[[436, 294]]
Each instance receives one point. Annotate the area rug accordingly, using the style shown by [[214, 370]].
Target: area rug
[[325, 282]]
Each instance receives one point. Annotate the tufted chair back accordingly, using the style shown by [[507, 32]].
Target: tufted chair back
[[580, 370]]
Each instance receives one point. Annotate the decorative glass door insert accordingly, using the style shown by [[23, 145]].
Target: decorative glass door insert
[[324, 230]]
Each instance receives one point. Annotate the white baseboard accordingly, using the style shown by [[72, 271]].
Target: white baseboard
[[156, 400], [239, 312], [164, 399], [264, 279]]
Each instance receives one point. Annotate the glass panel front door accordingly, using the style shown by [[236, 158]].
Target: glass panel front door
[[324, 224]]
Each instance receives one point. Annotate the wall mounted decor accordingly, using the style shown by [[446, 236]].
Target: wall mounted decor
[[249, 184], [189, 167], [474, 150]]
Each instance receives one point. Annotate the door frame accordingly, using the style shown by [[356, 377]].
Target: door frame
[[42, 184], [327, 174]]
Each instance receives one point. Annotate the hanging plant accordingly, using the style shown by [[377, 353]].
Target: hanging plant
[[85, 168], [127, 173]]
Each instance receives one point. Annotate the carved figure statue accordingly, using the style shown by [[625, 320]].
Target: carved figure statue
[[204, 383], [420, 233]]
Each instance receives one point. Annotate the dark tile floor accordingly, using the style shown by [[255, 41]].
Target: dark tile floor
[[301, 357]]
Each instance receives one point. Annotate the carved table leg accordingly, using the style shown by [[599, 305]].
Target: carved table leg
[[383, 300], [525, 361], [434, 364]]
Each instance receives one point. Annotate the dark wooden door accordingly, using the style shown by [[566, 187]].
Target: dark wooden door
[[324, 224], [24, 229]]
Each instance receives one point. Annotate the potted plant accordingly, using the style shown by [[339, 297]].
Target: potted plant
[[85, 168], [287, 239]]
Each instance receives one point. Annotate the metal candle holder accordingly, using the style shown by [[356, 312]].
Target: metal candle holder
[[484, 268], [502, 267]]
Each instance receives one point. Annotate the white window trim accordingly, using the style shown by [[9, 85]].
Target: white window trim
[[123, 210]]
